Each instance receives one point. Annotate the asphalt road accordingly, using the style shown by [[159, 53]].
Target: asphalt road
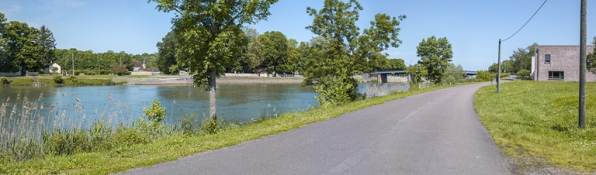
[[432, 133]]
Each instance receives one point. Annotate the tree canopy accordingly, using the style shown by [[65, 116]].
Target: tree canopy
[[435, 55], [210, 35], [345, 50], [522, 58]]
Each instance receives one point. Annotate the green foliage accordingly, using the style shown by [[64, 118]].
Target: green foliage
[[21, 48], [453, 74], [155, 113], [523, 73], [484, 76], [120, 70], [173, 70], [187, 125], [21, 82], [130, 136], [275, 51], [336, 90], [58, 79], [4, 81], [591, 59], [395, 64], [48, 45], [211, 125], [435, 54], [166, 55], [416, 72], [522, 58], [493, 68], [340, 50]]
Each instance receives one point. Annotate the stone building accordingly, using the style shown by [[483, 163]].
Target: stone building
[[552, 62]]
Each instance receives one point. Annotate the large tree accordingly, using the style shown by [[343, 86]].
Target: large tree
[[435, 54], [48, 45], [275, 51], [4, 62], [208, 35], [395, 64], [167, 53], [22, 49], [345, 50]]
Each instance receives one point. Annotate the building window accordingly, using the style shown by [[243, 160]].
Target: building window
[[556, 75], [547, 58]]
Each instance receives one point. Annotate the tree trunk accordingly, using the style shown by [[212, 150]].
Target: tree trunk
[[212, 92]]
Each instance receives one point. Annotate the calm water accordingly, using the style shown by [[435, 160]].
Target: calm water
[[69, 106]]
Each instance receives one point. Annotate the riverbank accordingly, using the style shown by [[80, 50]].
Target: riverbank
[[178, 144], [187, 80], [536, 125]]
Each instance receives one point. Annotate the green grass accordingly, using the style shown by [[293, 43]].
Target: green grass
[[121, 157], [532, 119]]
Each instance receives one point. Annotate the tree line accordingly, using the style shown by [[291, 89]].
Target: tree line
[[32, 49], [271, 51]]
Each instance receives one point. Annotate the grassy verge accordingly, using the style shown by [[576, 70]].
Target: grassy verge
[[178, 144], [538, 120], [68, 81]]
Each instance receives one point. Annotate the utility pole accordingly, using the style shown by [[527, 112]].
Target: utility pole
[[499, 69], [72, 56], [582, 67]]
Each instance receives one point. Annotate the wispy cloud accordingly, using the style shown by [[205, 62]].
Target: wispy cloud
[[58, 8], [10, 8]]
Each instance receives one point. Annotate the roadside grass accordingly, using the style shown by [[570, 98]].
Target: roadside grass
[[179, 143], [539, 120]]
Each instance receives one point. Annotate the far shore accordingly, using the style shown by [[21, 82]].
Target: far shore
[[187, 80]]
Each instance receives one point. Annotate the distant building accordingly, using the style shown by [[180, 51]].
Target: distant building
[[559, 63], [136, 66], [55, 65]]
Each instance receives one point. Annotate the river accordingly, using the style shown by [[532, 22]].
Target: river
[[64, 107]]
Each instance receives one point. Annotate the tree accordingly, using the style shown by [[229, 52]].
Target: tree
[[435, 55], [507, 66], [522, 58], [345, 51], [208, 35], [167, 52], [395, 64], [275, 50], [416, 72], [48, 45], [493, 68], [4, 62], [21, 46], [294, 61], [454, 73]]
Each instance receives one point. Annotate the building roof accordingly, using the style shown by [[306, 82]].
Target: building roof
[[137, 64]]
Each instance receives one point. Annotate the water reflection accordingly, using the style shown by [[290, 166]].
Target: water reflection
[[80, 106]]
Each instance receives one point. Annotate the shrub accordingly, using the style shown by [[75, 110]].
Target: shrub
[[58, 79], [155, 113], [130, 136], [484, 76], [5, 81], [21, 82], [523, 73], [120, 70]]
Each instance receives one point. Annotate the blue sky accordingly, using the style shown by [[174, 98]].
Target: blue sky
[[473, 27]]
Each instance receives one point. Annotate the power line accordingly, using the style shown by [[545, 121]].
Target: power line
[[527, 21]]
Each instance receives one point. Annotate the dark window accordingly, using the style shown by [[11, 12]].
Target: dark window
[[547, 58], [556, 75]]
